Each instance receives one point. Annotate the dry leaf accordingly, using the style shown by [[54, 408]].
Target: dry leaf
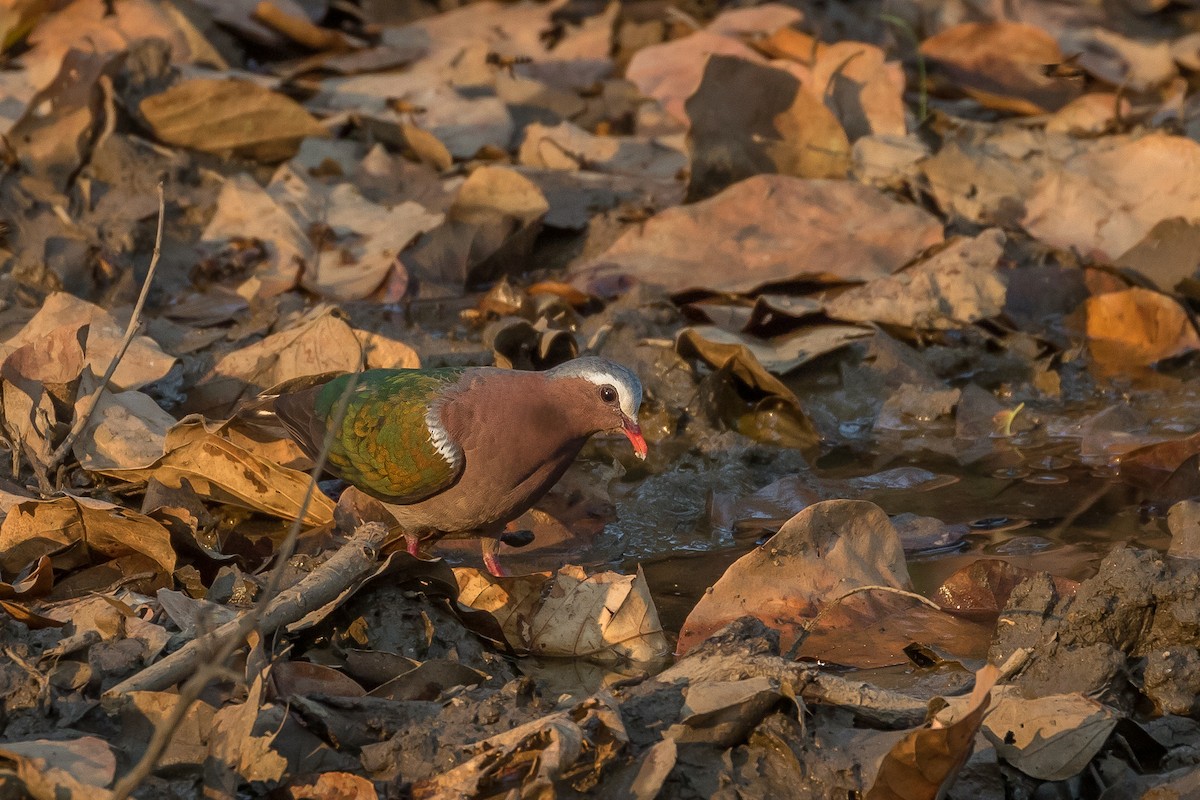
[[568, 147], [925, 762], [64, 769], [860, 86], [959, 284], [1106, 199], [766, 229], [776, 416], [1049, 738], [1002, 65], [1091, 113], [781, 354], [982, 588], [895, 621], [126, 430], [1135, 65], [567, 746], [42, 527], [774, 127], [145, 711], [603, 616], [144, 361], [246, 210], [323, 342], [1137, 327], [220, 471], [671, 72], [229, 115], [334, 786], [819, 555], [1167, 256], [367, 244]]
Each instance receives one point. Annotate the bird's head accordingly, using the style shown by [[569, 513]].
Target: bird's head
[[608, 395]]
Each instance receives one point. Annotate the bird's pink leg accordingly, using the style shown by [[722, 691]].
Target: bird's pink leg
[[491, 559]]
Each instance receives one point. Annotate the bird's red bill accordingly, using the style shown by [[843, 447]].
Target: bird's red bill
[[634, 434]]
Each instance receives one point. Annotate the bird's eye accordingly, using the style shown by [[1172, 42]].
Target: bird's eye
[[608, 394]]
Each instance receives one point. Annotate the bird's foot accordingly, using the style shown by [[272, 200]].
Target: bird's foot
[[517, 538], [491, 558]]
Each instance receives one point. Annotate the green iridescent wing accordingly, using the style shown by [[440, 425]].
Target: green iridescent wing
[[384, 445]]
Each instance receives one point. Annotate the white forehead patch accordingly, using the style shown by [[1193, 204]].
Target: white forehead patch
[[628, 397], [605, 373]]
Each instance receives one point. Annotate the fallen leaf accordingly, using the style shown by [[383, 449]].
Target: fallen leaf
[[216, 115], [220, 471], [334, 786], [368, 239], [722, 713], [1002, 65], [1050, 738], [863, 90], [290, 678], [41, 527], [64, 769], [1167, 255], [321, 342], [569, 147], [1105, 200], [143, 712], [774, 127], [1094, 112], [489, 231], [671, 72], [819, 555], [1137, 327], [1136, 64], [958, 284], [766, 229], [570, 746], [982, 588], [144, 361], [245, 210], [895, 621], [126, 430], [985, 174], [785, 422], [922, 764], [779, 355], [603, 616]]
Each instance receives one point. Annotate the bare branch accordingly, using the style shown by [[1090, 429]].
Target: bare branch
[[205, 657], [135, 320]]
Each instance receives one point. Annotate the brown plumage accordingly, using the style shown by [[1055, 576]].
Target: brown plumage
[[464, 450]]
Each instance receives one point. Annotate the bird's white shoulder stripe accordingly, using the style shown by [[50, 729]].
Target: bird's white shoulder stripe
[[438, 436]]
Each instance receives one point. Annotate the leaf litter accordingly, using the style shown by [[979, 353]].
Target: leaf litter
[[913, 296]]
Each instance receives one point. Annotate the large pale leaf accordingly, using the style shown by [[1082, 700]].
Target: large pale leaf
[[766, 229], [602, 616], [819, 555], [222, 115], [40, 527], [220, 470]]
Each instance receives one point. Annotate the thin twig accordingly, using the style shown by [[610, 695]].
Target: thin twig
[[808, 626], [233, 639], [135, 319]]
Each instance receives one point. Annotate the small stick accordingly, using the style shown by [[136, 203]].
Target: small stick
[[323, 585], [135, 319]]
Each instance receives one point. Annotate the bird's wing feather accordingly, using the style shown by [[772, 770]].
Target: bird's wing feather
[[386, 445]]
